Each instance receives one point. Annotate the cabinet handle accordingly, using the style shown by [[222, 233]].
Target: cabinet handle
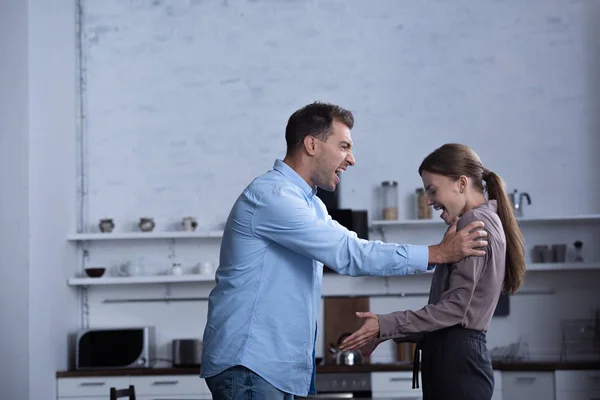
[[400, 379], [92, 383], [165, 382], [526, 379]]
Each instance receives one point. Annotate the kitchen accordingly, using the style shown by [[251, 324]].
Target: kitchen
[[522, 88]]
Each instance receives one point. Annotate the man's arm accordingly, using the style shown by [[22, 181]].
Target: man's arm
[[456, 245], [284, 218]]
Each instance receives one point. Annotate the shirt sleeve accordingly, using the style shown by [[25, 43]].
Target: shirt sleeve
[[284, 217], [450, 310]]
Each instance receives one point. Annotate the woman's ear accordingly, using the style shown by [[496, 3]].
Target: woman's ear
[[462, 183]]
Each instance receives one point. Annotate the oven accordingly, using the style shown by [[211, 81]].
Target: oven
[[349, 385]]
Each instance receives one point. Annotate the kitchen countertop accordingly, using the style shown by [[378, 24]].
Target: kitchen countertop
[[498, 365]]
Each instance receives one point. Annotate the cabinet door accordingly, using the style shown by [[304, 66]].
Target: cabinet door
[[528, 385]]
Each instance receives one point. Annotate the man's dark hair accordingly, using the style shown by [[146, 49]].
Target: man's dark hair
[[316, 120]]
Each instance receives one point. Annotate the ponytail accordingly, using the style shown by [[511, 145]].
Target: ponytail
[[515, 248]]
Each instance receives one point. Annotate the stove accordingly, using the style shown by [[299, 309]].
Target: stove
[[347, 385]]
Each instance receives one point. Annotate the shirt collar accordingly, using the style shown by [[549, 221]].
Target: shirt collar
[[293, 176]]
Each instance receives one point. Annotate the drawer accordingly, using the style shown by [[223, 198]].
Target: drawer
[[401, 383], [394, 382], [585, 380], [170, 397], [84, 398], [528, 385], [93, 386], [578, 395], [169, 385]]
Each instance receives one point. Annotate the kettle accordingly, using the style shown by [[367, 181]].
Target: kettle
[[345, 357], [516, 200]]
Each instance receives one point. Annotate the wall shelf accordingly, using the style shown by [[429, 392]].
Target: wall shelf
[[568, 266], [144, 235], [522, 220], [162, 279], [124, 280]]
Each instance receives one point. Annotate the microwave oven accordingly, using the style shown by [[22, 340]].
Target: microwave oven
[[114, 348]]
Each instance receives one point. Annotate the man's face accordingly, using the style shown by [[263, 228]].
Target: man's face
[[334, 156]]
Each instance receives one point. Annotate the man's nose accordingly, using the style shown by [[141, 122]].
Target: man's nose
[[429, 201], [350, 159]]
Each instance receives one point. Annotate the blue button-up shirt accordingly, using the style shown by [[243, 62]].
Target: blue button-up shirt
[[263, 312]]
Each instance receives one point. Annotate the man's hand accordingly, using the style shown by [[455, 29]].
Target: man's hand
[[366, 333], [457, 245]]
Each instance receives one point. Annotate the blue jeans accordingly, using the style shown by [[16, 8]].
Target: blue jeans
[[240, 383]]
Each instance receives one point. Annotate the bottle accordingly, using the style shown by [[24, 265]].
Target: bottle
[[578, 251]]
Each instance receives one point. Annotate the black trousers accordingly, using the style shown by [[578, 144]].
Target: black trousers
[[455, 365]]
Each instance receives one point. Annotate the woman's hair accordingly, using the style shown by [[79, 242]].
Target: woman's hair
[[454, 160]]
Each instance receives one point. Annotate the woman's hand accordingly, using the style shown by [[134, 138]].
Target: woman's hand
[[367, 333]]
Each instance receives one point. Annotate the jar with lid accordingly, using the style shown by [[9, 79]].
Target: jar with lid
[[423, 210], [389, 198]]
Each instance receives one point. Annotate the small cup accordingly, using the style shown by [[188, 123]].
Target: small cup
[[176, 269], [205, 268], [146, 224], [189, 224], [560, 252], [541, 254], [106, 225]]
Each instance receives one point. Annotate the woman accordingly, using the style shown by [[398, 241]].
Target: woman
[[451, 329]]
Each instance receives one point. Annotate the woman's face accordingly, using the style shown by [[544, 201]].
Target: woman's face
[[445, 194]]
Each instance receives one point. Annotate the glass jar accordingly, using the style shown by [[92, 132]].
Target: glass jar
[[423, 210], [389, 197]]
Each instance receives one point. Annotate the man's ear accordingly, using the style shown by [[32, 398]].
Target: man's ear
[[310, 145]]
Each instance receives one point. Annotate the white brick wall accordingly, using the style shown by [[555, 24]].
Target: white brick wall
[[186, 101]]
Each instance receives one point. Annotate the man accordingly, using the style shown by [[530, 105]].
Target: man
[[259, 340]]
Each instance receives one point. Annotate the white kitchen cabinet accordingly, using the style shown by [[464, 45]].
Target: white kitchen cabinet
[[528, 385], [84, 398], [160, 387], [577, 385], [180, 385], [92, 386], [178, 397], [398, 385]]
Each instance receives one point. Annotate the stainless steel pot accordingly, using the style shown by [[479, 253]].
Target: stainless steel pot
[[186, 353], [346, 357]]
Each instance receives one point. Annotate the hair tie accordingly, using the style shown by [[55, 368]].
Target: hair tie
[[486, 173]]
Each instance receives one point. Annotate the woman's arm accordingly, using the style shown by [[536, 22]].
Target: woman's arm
[[449, 311]]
